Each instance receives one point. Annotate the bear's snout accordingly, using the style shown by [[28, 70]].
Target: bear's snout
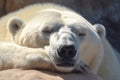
[[67, 52]]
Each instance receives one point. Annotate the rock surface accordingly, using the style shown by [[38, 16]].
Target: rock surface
[[17, 74]]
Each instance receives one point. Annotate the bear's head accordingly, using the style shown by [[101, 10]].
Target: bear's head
[[68, 35]]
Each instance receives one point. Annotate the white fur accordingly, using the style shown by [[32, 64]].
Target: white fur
[[95, 50]]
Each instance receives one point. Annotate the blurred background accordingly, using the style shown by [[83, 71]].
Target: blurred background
[[106, 12]]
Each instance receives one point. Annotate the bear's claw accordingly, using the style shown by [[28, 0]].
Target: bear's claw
[[81, 68]]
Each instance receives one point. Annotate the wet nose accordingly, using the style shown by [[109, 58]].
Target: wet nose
[[67, 52]]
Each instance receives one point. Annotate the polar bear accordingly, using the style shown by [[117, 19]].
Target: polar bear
[[66, 36]]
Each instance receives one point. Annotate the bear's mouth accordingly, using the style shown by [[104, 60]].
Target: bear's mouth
[[65, 62], [66, 65], [61, 62]]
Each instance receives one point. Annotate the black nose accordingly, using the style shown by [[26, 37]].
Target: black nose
[[67, 52]]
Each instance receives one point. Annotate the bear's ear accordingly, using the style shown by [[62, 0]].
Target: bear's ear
[[100, 30], [15, 24]]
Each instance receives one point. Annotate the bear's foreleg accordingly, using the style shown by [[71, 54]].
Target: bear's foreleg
[[16, 56]]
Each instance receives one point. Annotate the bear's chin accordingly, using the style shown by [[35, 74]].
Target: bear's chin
[[64, 69]]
